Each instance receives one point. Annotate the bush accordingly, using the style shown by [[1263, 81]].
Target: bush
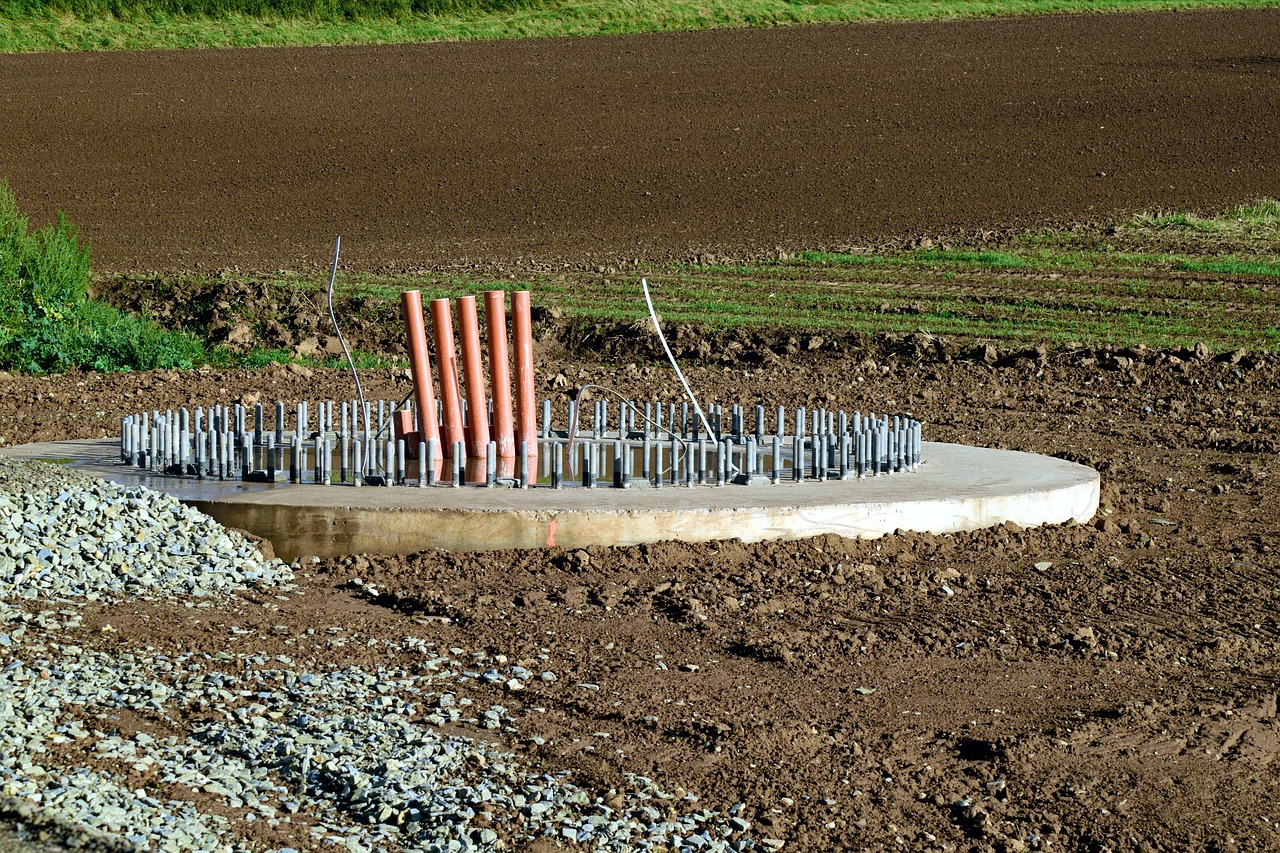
[[47, 321]]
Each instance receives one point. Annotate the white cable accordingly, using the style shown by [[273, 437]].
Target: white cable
[[653, 315], [337, 247]]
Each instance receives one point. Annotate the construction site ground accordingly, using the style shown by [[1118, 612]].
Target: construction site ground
[[1109, 686]]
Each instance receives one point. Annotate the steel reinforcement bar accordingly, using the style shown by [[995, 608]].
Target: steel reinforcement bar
[[621, 445]]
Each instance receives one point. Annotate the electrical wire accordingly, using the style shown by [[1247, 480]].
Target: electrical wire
[[628, 404], [337, 249], [657, 327]]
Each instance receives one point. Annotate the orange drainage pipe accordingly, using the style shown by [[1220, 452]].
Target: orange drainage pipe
[[473, 379], [495, 315], [526, 416], [419, 367], [402, 426], [447, 372]]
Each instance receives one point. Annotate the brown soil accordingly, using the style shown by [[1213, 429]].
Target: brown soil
[[1109, 686], [578, 150], [1101, 687]]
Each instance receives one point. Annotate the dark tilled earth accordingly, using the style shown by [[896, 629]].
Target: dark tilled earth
[[615, 148], [1109, 686]]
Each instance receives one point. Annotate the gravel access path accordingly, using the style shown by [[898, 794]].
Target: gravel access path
[[362, 757]]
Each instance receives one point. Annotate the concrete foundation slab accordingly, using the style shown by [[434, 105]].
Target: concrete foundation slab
[[957, 488]]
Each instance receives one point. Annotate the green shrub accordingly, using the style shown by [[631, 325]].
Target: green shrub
[[47, 321]]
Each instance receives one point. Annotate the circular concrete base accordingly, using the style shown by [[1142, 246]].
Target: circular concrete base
[[957, 488]]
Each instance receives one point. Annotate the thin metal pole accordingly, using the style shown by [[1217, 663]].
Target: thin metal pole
[[557, 465], [588, 466]]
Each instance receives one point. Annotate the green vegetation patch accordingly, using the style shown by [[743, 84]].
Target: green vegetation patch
[[47, 321], [1232, 266], [1124, 284], [1102, 286], [1216, 282], [1259, 219], [77, 25]]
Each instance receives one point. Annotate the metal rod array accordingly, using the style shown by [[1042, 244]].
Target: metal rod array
[[617, 445], [441, 440]]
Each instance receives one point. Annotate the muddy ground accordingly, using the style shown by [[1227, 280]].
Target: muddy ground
[[1109, 686], [1083, 687]]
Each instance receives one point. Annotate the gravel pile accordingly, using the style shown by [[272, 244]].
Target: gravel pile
[[65, 535], [357, 757]]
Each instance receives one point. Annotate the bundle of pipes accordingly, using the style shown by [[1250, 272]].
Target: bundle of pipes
[[625, 445], [469, 437]]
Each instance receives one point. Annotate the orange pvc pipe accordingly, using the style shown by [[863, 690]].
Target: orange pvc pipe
[[419, 365], [495, 315], [402, 423], [402, 428], [473, 379], [526, 405], [447, 373]]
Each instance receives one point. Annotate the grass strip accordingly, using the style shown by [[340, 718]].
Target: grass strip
[[1028, 289], [89, 25]]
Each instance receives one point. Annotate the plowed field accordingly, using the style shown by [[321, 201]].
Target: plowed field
[[729, 142]]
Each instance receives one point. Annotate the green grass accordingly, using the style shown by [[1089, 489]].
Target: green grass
[[1261, 218], [1231, 267], [79, 25], [1096, 287]]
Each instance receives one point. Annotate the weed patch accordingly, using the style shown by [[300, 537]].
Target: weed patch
[[47, 321]]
